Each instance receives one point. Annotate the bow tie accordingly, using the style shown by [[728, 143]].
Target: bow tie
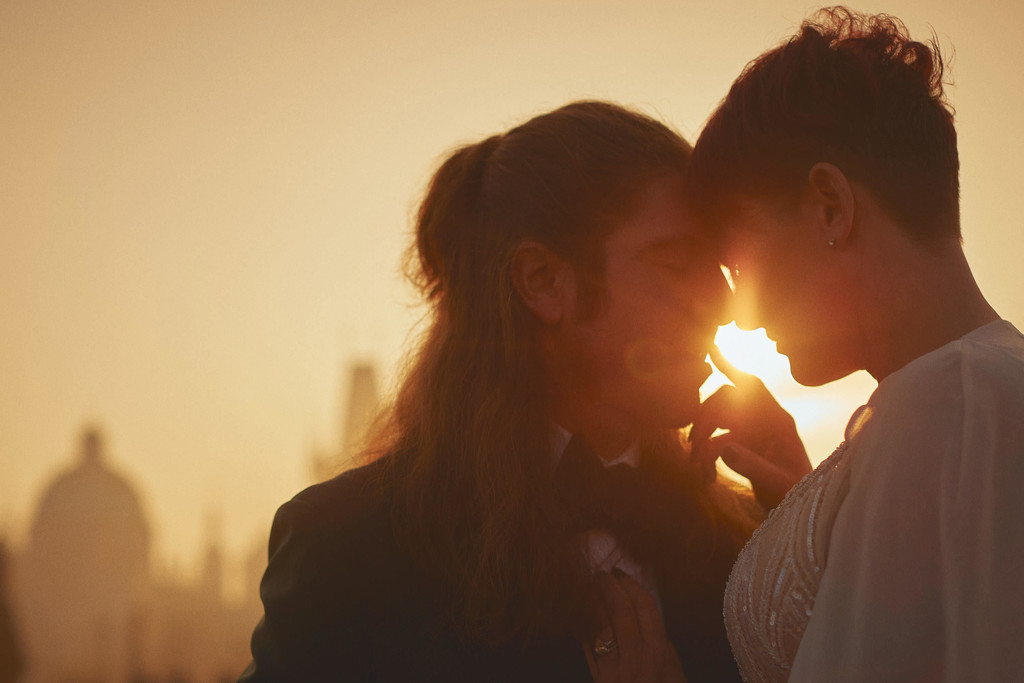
[[597, 496]]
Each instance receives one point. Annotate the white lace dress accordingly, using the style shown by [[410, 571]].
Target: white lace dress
[[770, 594], [901, 557]]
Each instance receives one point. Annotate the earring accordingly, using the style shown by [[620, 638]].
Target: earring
[[832, 242]]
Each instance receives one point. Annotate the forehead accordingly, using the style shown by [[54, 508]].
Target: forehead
[[754, 221], [757, 214], [659, 219]]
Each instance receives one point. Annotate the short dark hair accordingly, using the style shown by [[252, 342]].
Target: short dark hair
[[850, 89]]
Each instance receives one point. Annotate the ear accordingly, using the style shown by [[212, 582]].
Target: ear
[[830, 199], [545, 282]]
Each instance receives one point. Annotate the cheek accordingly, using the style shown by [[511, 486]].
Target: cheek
[[646, 358], [654, 325]]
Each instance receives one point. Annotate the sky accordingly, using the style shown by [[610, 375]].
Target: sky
[[203, 208]]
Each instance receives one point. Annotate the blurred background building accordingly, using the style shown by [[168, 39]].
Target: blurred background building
[[85, 601], [360, 408], [91, 607]]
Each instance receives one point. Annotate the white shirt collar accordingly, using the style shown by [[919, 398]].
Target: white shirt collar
[[560, 438]]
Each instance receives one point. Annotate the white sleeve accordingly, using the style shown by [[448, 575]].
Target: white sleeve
[[925, 573]]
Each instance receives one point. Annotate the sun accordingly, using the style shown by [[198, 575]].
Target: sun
[[751, 352], [819, 412]]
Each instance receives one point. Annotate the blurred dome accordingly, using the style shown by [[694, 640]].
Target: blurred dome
[[90, 539]]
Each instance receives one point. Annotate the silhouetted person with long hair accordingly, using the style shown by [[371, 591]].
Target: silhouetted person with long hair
[[533, 444]]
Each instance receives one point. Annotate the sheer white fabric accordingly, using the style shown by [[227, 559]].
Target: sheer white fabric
[[917, 528], [771, 591]]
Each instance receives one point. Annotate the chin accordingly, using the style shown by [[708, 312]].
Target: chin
[[670, 399], [676, 411], [815, 374]]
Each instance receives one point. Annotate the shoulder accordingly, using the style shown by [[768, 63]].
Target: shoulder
[[328, 542], [945, 424], [993, 363], [348, 491], [932, 401], [331, 562], [932, 520], [991, 356], [327, 519]]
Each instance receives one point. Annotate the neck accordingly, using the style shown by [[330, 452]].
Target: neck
[[609, 438], [581, 410], [927, 299], [581, 403]]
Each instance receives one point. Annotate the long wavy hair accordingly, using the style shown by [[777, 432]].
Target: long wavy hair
[[466, 444]]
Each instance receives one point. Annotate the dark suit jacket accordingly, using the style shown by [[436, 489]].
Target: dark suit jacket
[[343, 602]]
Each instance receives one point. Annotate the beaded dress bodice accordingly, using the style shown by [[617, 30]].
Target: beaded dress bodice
[[771, 591]]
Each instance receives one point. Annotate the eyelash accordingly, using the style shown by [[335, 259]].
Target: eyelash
[[731, 273]]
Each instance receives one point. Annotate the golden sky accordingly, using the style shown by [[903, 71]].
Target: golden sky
[[203, 207]]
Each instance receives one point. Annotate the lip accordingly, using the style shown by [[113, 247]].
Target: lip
[[781, 347]]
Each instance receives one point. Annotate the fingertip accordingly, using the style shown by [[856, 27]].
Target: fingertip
[[733, 455], [698, 433], [715, 353], [719, 360], [725, 366]]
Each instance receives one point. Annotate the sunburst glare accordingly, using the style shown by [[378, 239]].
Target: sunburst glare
[[751, 352]]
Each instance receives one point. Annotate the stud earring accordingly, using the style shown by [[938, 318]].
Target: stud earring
[[832, 242]]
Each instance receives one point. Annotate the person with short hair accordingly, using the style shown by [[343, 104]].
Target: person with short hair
[[830, 176]]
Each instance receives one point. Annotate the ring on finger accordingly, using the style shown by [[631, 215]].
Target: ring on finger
[[604, 647]]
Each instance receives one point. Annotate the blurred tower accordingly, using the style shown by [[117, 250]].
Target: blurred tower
[[212, 576], [361, 409]]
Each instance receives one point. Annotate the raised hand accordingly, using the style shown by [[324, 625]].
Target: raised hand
[[762, 443], [631, 645]]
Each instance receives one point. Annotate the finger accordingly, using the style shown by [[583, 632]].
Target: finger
[[622, 615], [588, 652], [702, 460], [604, 632], [725, 366], [712, 414], [741, 379], [769, 481], [704, 455], [648, 617], [749, 463]]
